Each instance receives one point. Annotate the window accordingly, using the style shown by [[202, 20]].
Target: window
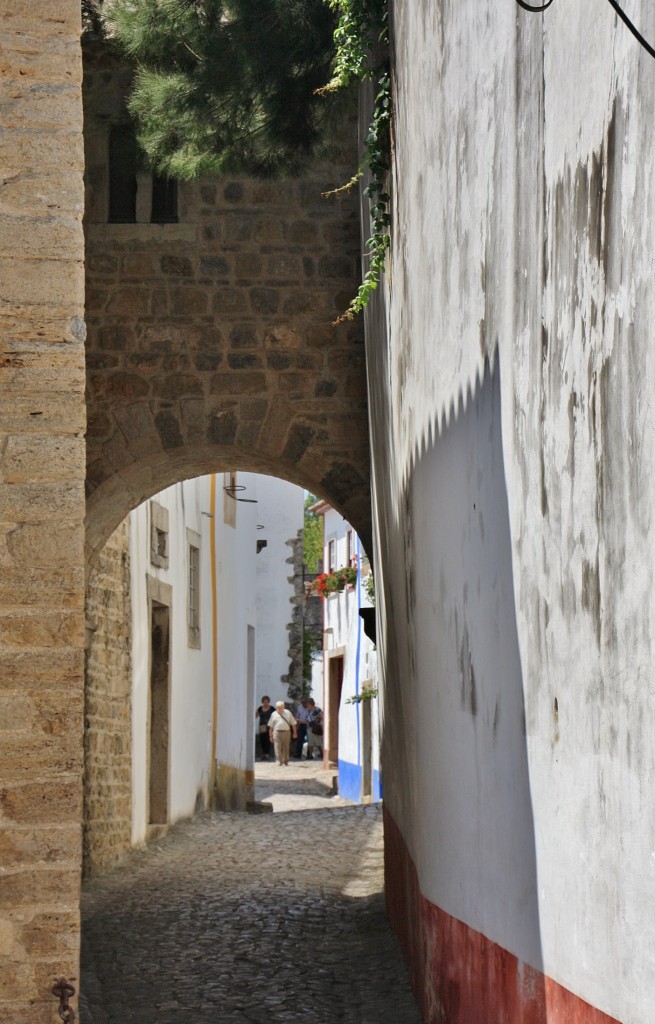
[[158, 535], [161, 543], [331, 555], [164, 200], [193, 602], [133, 196], [122, 174], [350, 554]]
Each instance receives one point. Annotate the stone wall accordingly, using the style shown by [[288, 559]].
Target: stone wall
[[211, 345], [42, 419], [108, 706]]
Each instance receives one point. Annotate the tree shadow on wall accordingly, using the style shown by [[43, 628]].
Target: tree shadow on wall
[[476, 898]]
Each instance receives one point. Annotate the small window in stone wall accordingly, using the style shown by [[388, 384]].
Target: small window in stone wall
[[164, 200], [122, 174], [158, 535], [135, 196], [193, 594]]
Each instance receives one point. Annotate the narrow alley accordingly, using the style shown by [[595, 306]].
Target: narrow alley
[[261, 918]]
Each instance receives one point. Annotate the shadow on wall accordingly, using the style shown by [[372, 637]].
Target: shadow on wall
[[466, 906]]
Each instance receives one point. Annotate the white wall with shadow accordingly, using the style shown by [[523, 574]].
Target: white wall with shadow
[[474, 840]]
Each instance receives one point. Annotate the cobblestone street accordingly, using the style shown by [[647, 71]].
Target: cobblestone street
[[262, 918]]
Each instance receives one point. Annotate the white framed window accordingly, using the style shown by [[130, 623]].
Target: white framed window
[[331, 555], [350, 552], [158, 535]]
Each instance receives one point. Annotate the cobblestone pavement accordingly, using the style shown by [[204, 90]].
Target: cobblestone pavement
[[249, 918]]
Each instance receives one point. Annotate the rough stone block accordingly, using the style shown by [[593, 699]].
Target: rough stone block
[[48, 501], [47, 234], [39, 755], [33, 587], [52, 369], [41, 458], [17, 981], [239, 383], [41, 283], [189, 301], [242, 361], [43, 887], [50, 934], [248, 265], [52, 801], [46, 845], [176, 266], [42, 669], [264, 300], [286, 266], [46, 543], [176, 385], [214, 266], [132, 302]]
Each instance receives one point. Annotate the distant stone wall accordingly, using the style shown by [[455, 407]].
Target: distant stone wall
[[108, 706], [42, 420]]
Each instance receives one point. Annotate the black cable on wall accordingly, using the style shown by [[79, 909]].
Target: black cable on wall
[[621, 13]]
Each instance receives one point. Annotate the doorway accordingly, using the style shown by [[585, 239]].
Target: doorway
[[335, 684], [159, 732]]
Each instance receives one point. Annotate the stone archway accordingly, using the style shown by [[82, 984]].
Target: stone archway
[[210, 341]]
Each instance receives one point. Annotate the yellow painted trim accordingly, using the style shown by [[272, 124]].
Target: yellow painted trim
[[212, 549]]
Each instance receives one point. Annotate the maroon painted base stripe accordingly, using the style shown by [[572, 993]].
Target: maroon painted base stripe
[[459, 976]]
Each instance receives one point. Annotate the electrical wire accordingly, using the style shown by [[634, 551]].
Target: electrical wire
[[636, 33], [535, 10], [621, 13]]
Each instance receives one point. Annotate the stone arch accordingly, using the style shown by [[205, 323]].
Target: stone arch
[[210, 343], [344, 485]]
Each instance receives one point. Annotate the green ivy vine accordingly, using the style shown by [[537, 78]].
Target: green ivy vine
[[362, 47]]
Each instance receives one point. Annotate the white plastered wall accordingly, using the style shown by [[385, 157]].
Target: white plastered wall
[[345, 631], [524, 231], [190, 668], [236, 583], [280, 512]]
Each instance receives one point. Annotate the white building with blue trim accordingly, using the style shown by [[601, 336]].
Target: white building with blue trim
[[349, 702]]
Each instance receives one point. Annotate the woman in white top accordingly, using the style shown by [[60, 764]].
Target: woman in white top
[[282, 725]]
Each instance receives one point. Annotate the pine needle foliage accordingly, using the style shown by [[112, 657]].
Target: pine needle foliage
[[227, 86]]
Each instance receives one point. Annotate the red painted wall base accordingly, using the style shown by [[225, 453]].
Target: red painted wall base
[[459, 976]]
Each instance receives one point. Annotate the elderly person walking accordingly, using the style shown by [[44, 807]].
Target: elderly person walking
[[281, 726]]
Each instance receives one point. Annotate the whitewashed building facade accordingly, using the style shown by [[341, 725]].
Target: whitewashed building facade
[[349, 667], [202, 581]]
